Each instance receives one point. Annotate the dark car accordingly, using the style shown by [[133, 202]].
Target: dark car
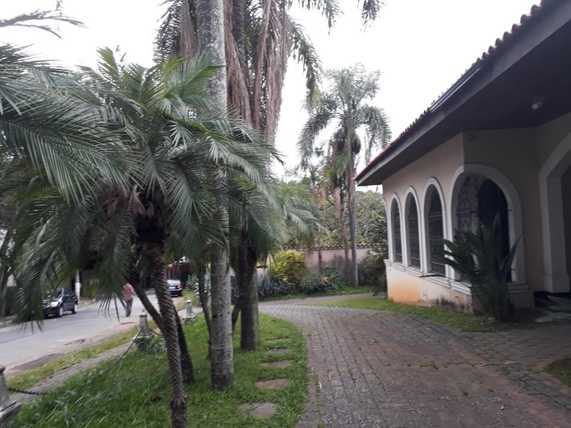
[[175, 287], [61, 300]]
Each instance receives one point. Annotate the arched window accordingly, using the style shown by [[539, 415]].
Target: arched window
[[396, 229], [435, 231], [412, 232]]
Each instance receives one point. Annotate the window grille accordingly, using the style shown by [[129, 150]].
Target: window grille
[[436, 234], [413, 235], [397, 243]]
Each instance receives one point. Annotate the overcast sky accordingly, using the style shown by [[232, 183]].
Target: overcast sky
[[420, 47]]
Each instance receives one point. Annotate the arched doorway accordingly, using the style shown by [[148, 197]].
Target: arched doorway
[[479, 201]]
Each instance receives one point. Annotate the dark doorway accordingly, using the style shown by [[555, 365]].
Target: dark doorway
[[492, 205]]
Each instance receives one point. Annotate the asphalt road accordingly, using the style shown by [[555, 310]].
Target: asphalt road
[[24, 346]]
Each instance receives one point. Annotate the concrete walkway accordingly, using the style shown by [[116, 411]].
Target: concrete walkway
[[382, 369]]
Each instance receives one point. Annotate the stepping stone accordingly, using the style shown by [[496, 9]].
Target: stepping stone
[[280, 351], [272, 384], [259, 410], [277, 364]]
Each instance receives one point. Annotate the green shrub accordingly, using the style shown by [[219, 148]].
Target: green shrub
[[333, 278], [289, 267], [481, 260], [372, 272], [313, 282]]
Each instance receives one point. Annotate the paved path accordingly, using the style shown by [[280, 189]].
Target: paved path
[[382, 369]]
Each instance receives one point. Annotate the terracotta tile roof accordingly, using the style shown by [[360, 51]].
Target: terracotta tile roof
[[486, 57]]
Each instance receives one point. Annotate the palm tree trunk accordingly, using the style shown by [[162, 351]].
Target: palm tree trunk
[[249, 331], [221, 324], [154, 253], [351, 208], [210, 26], [185, 358], [203, 297], [5, 270], [342, 230]]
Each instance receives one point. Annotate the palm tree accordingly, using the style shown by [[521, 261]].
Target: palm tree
[[346, 102], [210, 22], [166, 144], [259, 38]]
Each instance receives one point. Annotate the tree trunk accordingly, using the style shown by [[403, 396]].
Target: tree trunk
[[341, 225], [5, 270], [221, 323], [351, 203], [249, 333], [154, 253], [185, 358], [149, 307], [248, 301], [203, 297], [210, 29]]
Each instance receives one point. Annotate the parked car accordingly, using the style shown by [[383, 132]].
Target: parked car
[[175, 287], [61, 300]]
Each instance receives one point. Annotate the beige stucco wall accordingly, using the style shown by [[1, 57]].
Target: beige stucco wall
[[407, 286], [518, 156], [441, 163]]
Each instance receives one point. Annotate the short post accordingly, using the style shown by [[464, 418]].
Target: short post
[[144, 329], [8, 409], [143, 338], [190, 315]]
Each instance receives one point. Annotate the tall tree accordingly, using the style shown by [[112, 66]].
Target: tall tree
[[346, 103], [211, 43], [260, 37]]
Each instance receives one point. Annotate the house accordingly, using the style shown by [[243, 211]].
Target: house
[[496, 144]]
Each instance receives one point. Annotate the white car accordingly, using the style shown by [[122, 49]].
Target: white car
[[175, 287]]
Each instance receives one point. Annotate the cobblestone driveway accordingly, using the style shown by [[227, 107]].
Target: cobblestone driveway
[[382, 369]]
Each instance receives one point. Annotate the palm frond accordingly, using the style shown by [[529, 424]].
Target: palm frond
[[36, 19], [303, 51]]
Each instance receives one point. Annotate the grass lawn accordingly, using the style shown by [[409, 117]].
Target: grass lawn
[[136, 393], [561, 370], [336, 292], [458, 320]]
